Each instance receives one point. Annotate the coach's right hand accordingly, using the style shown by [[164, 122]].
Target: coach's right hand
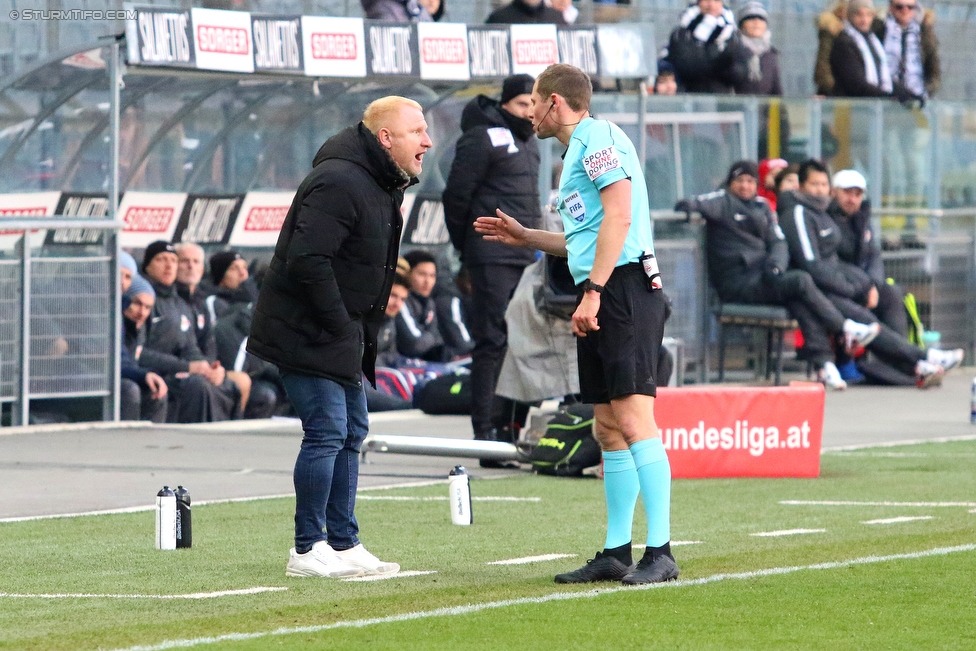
[[503, 228]]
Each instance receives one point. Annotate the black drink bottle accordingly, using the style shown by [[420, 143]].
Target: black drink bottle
[[184, 527]]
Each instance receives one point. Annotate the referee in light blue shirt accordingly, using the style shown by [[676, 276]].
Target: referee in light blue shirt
[[619, 319]]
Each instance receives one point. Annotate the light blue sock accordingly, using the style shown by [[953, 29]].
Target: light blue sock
[[654, 475], [621, 488]]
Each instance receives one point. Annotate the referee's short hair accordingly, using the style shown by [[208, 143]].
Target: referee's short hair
[[570, 82]]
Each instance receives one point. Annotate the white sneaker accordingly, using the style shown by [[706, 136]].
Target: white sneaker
[[830, 377], [368, 564], [858, 335], [928, 374], [947, 359], [320, 560]]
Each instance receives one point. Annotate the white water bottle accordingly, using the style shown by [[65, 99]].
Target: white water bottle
[[166, 519], [459, 492]]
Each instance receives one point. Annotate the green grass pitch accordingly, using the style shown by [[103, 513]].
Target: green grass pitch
[[898, 594]]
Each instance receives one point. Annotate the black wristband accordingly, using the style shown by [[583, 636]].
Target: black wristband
[[590, 285]]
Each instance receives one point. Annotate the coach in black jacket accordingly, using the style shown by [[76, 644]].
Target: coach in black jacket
[[748, 260], [496, 167], [318, 313]]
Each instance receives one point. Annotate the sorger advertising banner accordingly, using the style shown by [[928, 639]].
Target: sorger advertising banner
[[742, 431]]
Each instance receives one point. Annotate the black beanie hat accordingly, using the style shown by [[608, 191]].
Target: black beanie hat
[[516, 85], [220, 263], [740, 168], [154, 249]]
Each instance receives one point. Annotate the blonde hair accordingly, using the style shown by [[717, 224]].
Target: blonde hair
[[380, 113]]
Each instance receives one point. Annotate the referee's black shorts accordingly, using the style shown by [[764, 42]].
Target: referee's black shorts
[[621, 357]]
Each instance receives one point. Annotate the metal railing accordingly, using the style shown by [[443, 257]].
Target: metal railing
[[60, 322]]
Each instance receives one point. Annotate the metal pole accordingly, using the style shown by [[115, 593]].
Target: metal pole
[[816, 125], [111, 408], [642, 126], [23, 416], [876, 136]]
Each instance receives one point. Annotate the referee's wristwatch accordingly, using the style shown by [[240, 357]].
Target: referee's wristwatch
[[589, 285]]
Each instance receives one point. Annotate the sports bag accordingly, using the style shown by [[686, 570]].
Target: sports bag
[[568, 445]]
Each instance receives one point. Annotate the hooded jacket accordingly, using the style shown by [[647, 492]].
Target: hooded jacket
[[814, 240], [323, 298], [859, 244], [742, 240], [496, 165]]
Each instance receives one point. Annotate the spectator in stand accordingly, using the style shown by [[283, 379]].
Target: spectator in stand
[[829, 24], [757, 61], [393, 389], [519, 12], [418, 333], [434, 7], [911, 46], [748, 262], [142, 393], [767, 179], [496, 167], [231, 309], [858, 60], [814, 240], [665, 82], [701, 48], [401, 11], [189, 277], [566, 8], [199, 389]]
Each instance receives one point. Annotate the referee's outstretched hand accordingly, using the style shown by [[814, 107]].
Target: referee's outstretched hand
[[503, 228]]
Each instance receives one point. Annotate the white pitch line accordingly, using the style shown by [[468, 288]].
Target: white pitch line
[[398, 575], [787, 532], [444, 498], [194, 595], [530, 559], [554, 596], [902, 518], [852, 503]]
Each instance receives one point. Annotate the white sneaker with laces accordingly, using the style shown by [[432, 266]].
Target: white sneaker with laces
[[359, 558], [928, 374], [321, 560], [947, 359], [859, 334], [831, 378]]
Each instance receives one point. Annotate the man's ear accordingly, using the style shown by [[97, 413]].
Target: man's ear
[[385, 137]]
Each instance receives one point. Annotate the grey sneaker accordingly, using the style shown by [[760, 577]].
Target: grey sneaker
[[600, 568], [652, 570]]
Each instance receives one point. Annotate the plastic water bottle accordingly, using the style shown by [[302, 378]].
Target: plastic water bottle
[[972, 403], [165, 519], [184, 527], [459, 491]]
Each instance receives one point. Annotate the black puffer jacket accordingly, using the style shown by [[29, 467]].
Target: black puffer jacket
[[859, 245], [325, 292], [742, 239], [496, 166], [814, 239]]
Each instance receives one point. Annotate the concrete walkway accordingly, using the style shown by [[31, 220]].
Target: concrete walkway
[[70, 469]]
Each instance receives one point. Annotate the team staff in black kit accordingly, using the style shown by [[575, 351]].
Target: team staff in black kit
[[496, 166]]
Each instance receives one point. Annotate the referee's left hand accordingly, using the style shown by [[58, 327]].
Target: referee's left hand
[[584, 318]]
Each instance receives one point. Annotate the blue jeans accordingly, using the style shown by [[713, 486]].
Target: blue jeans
[[327, 470]]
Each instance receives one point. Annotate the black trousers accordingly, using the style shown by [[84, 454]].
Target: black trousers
[[492, 289], [137, 403], [815, 313], [890, 347], [891, 308], [194, 399]]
